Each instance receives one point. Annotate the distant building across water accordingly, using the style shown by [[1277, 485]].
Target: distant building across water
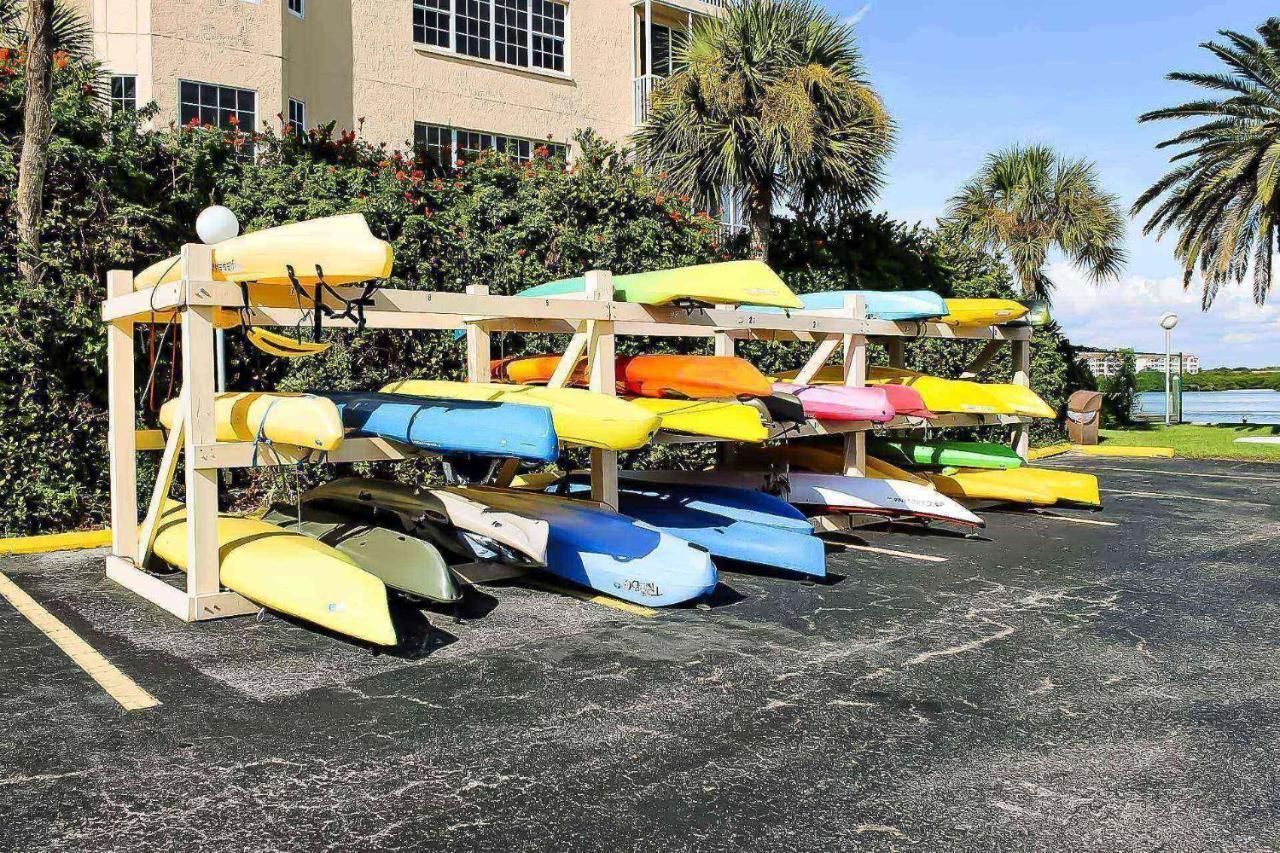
[[1107, 362]]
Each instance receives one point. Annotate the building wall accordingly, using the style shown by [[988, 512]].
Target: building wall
[[353, 59]]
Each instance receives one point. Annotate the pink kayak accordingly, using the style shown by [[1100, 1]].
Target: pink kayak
[[907, 401], [840, 403]]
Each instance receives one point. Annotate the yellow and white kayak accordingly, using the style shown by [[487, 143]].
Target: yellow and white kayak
[[342, 246], [882, 470], [580, 417], [982, 312], [1001, 398], [304, 420], [711, 418], [288, 572]]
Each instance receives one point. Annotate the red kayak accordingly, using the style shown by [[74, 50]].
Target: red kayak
[[907, 401]]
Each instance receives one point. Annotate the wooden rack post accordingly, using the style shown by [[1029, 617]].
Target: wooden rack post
[[121, 423], [600, 363], [854, 374], [1021, 438], [479, 344]]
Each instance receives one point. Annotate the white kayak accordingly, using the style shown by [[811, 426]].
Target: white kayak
[[828, 492]]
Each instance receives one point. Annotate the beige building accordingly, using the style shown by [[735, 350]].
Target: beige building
[[1103, 363], [468, 74]]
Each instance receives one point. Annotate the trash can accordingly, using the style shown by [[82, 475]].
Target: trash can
[[1084, 416]]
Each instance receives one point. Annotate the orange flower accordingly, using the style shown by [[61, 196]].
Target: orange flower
[[61, 59]]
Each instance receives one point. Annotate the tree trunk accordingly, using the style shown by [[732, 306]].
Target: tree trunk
[[37, 129], [761, 216]]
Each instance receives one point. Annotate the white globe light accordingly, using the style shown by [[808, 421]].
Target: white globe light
[[215, 224], [1168, 321]]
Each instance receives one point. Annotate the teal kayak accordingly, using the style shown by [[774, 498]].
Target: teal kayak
[[945, 454], [881, 304]]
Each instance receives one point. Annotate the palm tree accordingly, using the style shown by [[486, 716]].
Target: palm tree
[[1027, 201], [769, 98], [1221, 197]]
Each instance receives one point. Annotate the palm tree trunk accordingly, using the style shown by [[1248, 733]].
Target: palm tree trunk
[[37, 130], [760, 213]]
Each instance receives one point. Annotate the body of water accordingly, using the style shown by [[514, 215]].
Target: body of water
[[1216, 407]]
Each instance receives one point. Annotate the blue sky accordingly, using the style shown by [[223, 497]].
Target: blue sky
[[964, 79]]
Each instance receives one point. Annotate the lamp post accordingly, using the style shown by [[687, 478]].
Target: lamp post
[[1167, 322]]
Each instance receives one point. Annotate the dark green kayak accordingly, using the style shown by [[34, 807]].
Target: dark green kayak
[[404, 563], [944, 454]]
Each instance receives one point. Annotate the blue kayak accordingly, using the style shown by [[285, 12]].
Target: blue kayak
[[595, 547], [790, 549], [881, 304], [451, 426], [749, 505]]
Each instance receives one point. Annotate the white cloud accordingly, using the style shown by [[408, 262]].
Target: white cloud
[[857, 16], [1234, 331]]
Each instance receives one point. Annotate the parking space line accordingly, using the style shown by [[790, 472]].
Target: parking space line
[[593, 598], [117, 685], [1189, 474], [1124, 493], [1071, 519], [890, 552]]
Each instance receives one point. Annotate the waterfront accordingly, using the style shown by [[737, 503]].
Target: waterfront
[[1216, 407]]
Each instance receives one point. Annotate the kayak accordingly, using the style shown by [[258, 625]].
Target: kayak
[[458, 526], [948, 395], [880, 304], [827, 492], [882, 470], [1068, 487], [990, 485], [945, 453], [451, 426], [982, 312], [580, 417], [592, 546], [403, 562], [342, 246], [827, 458], [304, 420], [728, 283], [288, 572], [840, 402], [693, 377], [723, 536], [711, 418]]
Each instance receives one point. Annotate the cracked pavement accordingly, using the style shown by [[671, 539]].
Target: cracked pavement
[[1051, 686]]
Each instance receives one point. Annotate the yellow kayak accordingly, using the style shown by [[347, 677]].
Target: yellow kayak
[[288, 572], [1067, 486], [982, 312], [1004, 398], [580, 417], [342, 246], [992, 485], [881, 470], [825, 458], [711, 418], [304, 420], [728, 283]]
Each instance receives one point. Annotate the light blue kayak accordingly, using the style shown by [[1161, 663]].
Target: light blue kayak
[[451, 426], [595, 547], [792, 549], [881, 304]]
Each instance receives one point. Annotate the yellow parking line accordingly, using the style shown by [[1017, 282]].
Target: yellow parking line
[[1159, 472], [594, 598], [118, 686], [890, 552], [56, 542], [1071, 519]]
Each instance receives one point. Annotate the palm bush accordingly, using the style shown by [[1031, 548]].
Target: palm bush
[[770, 99], [1221, 195], [1029, 200]]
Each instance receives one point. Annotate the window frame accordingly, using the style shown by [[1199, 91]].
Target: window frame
[[527, 49], [486, 141], [112, 99], [300, 127], [300, 12]]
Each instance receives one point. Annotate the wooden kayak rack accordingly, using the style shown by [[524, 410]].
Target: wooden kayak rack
[[195, 302]]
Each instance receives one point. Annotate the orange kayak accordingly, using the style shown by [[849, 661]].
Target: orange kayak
[[692, 377]]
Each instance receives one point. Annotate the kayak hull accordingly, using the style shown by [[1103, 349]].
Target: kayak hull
[[894, 305], [728, 283], [840, 402], [710, 418], [945, 454], [452, 426], [302, 420], [288, 572], [982, 312], [689, 377]]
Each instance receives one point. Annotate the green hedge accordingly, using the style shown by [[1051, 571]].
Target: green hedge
[[121, 197]]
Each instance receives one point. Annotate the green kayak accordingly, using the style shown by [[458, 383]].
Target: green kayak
[[945, 454], [404, 563]]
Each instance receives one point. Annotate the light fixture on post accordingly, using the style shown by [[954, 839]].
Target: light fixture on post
[[1167, 322]]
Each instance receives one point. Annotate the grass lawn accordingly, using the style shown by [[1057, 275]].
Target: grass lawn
[[1200, 442]]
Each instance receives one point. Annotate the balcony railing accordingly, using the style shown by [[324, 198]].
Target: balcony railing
[[643, 88]]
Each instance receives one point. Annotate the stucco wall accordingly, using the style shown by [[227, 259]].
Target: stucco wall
[[318, 61]]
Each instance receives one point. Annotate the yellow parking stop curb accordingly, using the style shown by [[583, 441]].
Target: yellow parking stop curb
[[75, 541]]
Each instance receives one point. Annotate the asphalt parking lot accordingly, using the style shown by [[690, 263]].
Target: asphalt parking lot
[[1071, 681]]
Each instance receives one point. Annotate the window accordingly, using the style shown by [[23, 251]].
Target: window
[[220, 106], [446, 144], [661, 50], [124, 92], [297, 117], [298, 7], [521, 33]]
